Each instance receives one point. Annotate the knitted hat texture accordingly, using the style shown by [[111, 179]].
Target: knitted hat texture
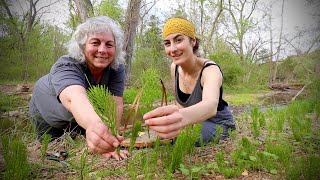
[[178, 25]]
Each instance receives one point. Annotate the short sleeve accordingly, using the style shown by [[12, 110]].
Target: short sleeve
[[66, 72], [117, 81]]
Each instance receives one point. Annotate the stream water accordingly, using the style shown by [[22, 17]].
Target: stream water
[[277, 99]]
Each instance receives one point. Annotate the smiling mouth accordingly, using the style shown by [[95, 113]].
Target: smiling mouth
[[102, 58], [176, 56]]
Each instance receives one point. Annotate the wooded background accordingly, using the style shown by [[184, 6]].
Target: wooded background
[[242, 36]]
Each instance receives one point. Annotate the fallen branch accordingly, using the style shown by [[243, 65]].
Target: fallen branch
[[301, 90]]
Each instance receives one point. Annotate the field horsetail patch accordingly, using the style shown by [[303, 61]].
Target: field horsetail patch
[[105, 106]]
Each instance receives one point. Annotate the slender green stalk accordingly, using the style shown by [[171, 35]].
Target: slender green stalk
[[184, 145], [105, 106], [82, 166], [134, 134], [15, 155], [44, 146]]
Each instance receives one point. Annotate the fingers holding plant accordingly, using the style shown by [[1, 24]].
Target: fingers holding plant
[[122, 155], [100, 139], [166, 121]]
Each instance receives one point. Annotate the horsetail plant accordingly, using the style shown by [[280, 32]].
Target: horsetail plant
[[105, 106], [15, 154], [44, 146]]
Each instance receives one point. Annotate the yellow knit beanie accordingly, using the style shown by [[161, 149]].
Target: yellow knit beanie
[[178, 25]]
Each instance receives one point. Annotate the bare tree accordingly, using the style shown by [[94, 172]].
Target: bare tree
[[205, 15], [22, 25], [217, 7], [271, 47], [216, 19], [279, 46], [144, 11], [84, 8], [131, 22], [316, 40], [241, 21]]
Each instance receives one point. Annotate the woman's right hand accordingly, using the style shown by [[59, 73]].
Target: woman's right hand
[[100, 139], [166, 121]]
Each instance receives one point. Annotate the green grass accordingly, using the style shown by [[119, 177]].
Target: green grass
[[242, 99], [9, 102], [16, 158], [282, 143]]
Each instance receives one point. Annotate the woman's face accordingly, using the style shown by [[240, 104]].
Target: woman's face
[[178, 47], [99, 50]]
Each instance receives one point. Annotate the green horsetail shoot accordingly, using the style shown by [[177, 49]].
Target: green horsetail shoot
[[105, 106]]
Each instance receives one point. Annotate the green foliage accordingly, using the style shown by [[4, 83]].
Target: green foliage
[[258, 120], [268, 161], [147, 158], [144, 163], [29, 61], [110, 8], [134, 133], [300, 126], [245, 152], [105, 106], [277, 118], [282, 149], [304, 167], [149, 52], [15, 155], [226, 167], [74, 19], [82, 166], [314, 87], [9, 103], [242, 99], [195, 171], [299, 68], [44, 146], [229, 62], [183, 145], [150, 81]]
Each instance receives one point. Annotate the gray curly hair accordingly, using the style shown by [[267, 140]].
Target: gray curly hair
[[96, 25]]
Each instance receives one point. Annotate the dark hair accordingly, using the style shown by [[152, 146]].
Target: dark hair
[[196, 46]]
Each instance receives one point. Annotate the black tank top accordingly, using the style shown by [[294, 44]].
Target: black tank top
[[196, 96]]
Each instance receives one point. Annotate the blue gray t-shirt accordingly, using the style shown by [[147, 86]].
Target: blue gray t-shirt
[[67, 71]]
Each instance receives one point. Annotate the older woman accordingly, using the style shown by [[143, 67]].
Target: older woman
[[197, 84], [59, 101]]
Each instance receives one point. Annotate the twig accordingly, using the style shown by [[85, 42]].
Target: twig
[[301, 90], [164, 94], [137, 99]]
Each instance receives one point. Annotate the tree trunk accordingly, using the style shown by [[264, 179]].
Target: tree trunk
[[275, 71], [132, 18], [271, 51], [84, 8]]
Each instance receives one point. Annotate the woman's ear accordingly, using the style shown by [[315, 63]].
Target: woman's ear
[[193, 41]]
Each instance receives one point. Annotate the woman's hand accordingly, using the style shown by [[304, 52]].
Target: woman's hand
[[100, 139], [166, 121], [123, 155]]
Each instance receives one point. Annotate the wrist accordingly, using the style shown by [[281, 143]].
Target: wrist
[[184, 121]]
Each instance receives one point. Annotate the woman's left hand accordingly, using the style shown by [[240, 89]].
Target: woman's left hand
[[166, 121], [123, 155]]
